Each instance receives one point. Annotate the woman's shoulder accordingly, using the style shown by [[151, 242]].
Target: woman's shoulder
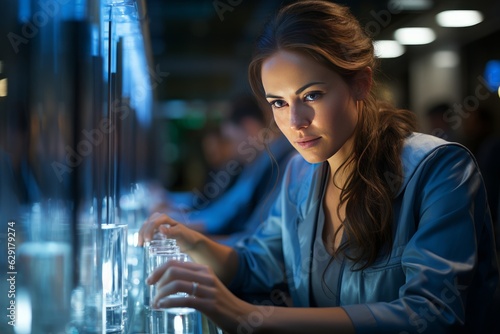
[[424, 140], [421, 150], [419, 146]]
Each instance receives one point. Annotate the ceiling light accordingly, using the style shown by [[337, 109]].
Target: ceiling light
[[414, 35], [411, 4], [388, 49], [459, 18]]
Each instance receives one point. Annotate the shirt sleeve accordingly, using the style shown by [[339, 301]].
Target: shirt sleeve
[[449, 263], [235, 203], [261, 267], [228, 212], [261, 264]]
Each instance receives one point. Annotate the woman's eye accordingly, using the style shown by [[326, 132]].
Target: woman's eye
[[312, 96], [278, 103]]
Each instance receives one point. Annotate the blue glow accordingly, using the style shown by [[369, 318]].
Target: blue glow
[[24, 12], [492, 74]]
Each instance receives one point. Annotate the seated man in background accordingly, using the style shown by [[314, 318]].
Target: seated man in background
[[240, 194], [218, 151]]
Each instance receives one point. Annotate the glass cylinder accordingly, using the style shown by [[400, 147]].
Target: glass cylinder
[[178, 320], [113, 268], [45, 270], [87, 302], [43, 300]]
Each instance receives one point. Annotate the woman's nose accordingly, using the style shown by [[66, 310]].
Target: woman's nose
[[299, 117]]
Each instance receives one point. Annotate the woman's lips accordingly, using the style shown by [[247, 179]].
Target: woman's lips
[[307, 142]]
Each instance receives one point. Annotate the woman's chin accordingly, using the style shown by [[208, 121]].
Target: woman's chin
[[312, 159]]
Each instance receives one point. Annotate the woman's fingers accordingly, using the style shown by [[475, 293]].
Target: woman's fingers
[[147, 229], [172, 268], [200, 304], [181, 289], [151, 225], [190, 278], [173, 301]]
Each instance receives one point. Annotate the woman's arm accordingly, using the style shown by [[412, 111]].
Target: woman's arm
[[222, 259]]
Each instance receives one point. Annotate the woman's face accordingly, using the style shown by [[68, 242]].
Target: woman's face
[[312, 105]]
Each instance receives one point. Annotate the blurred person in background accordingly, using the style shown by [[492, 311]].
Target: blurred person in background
[[439, 123], [376, 229], [477, 128], [488, 158], [478, 136], [218, 150], [245, 176]]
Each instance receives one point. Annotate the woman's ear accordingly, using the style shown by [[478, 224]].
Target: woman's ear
[[362, 83]]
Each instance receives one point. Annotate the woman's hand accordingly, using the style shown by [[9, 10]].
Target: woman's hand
[[186, 238], [222, 259], [207, 293]]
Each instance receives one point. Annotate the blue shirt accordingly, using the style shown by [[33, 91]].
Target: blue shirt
[[441, 273]]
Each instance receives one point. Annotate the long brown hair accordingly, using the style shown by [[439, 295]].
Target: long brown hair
[[331, 35]]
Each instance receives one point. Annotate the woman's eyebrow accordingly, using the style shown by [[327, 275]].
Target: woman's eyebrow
[[300, 90], [303, 88]]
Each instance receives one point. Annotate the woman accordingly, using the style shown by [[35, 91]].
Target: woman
[[377, 228]]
